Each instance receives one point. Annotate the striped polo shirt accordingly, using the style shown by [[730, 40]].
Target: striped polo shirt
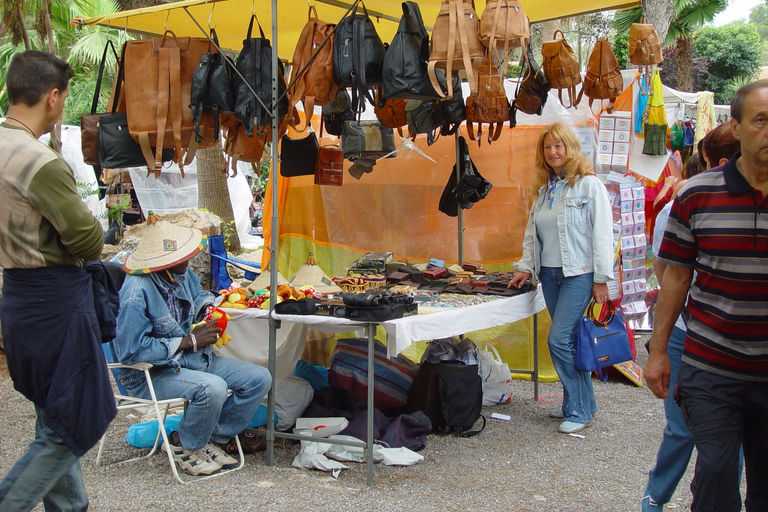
[[719, 226]]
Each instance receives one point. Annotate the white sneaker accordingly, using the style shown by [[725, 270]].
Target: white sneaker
[[556, 413], [193, 463], [219, 456]]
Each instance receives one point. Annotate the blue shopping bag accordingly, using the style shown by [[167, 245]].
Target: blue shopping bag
[[601, 340]]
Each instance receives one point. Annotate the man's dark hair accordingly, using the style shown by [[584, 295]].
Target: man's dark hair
[[33, 74], [737, 102]]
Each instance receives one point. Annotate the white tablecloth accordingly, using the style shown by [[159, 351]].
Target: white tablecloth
[[249, 328]]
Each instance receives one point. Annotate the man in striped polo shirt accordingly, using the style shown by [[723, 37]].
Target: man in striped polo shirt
[[719, 227]]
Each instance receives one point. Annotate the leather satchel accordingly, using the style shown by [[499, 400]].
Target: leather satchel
[[330, 166], [504, 26], [603, 80], [456, 44], [89, 123], [490, 105], [561, 68], [644, 45], [298, 157], [238, 146], [392, 114], [358, 55], [158, 84], [212, 88], [533, 90], [313, 58], [255, 65], [404, 72], [366, 139]]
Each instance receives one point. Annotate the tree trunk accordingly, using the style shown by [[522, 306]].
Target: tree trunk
[[213, 193], [684, 64], [21, 27], [660, 14], [55, 140]]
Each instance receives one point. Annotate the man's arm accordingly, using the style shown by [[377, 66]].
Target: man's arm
[[674, 290]]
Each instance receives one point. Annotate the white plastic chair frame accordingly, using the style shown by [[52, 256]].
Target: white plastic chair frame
[[161, 407]]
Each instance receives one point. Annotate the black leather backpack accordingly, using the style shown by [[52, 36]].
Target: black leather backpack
[[212, 88], [533, 90]]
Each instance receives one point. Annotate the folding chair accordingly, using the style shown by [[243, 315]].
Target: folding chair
[[161, 407], [219, 261]]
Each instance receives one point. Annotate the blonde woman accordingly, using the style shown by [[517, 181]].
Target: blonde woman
[[568, 247]]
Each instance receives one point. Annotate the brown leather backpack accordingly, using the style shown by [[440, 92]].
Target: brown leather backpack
[[644, 45], [158, 85], [456, 44], [561, 67], [315, 86], [490, 105], [392, 114], [603, 80], [504, 26], [239, 147]]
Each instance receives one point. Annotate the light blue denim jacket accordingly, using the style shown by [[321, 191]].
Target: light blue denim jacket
[[147, 330], [585, 229]]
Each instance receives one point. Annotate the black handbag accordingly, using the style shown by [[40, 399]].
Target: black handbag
[[337, 112], [358, 55], [404, 71], [212, 88], [532, 90], [366, 139], [450, 112], [469, 188], [117, 149], [421, 119], [255, 65], [298, 157]]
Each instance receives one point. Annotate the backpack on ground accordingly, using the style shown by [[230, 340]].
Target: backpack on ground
[[456, 44], [315, 86], [450, 393], [504, 26], [358, 55], [255, 65], [490, 105], [532, 90], [561, 67], [603, 80]]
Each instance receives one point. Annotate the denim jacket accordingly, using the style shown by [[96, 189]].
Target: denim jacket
[[147, 330], [585, 229]]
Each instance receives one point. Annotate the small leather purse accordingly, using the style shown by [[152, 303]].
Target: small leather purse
[[329, 169], [298, 157], [361, 139]]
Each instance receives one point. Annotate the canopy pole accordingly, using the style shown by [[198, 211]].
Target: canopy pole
[[460, 216], [273, 177]]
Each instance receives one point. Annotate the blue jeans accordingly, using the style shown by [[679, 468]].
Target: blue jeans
[[567, 298], [210, 413], [48, 471], [677, 444]]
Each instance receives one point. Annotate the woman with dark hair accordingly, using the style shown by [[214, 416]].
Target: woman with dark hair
[[719, 146], [568, 246]]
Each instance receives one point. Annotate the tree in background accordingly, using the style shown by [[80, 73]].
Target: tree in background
[[734, 53], [669, 69]]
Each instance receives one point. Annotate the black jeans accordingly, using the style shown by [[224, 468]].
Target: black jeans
[[723, 413]]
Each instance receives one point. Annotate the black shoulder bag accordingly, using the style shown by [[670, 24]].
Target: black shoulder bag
[[469, 188], [212, 88]]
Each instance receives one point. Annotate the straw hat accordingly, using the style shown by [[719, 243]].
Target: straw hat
[[311, 274], [163, 245]]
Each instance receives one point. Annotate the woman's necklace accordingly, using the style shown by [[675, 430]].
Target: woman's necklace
[[22, 124]]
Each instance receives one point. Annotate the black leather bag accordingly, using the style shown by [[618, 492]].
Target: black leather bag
[[469, 188], [366, 139], [337, 112], [358, 55], [89, 123], [117, 149], [212, 88], [255, 64], [532, 91], [421, 119], [450, 112], [298, 157], [404, 72]]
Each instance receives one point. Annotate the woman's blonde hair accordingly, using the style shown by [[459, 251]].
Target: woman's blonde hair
[[576, 165]]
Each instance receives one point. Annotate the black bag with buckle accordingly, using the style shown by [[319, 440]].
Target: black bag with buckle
[[212, 88], [358, 55], [338, 112], [298, 157]]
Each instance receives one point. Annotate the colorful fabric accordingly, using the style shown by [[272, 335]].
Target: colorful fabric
[[718, 227]]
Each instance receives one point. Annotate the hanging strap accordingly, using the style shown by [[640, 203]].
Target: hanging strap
[[96, 93]]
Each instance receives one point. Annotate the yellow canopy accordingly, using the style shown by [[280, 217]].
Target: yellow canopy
[[230, 17]]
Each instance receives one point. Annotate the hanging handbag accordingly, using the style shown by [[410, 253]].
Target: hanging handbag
[[358, 55], [212, 88], [490, 105], [450, 112], [337, 113], [329, 169], [366, 139], [601, 343], [465, 190], [255, 65], [404, 72], [421, 119], [561, 68], [603, 80], [532, 90], [89, 123], [298, 157]]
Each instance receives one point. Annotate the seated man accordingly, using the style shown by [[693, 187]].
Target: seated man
[[161, 302]]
